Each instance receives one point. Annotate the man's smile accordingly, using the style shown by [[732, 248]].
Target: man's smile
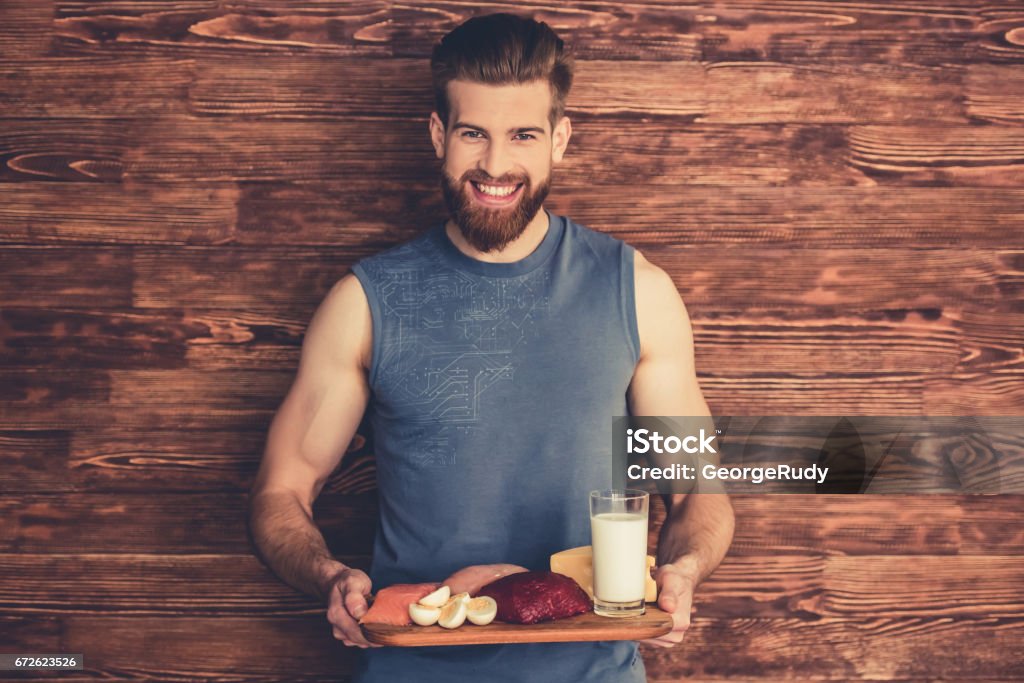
[[496, 195]]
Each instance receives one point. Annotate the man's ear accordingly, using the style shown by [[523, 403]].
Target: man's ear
[[560, 138], [437, 134]]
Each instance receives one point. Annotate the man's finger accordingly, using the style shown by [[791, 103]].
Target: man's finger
[[680, 617], [673, 637], [340, 635], [349, 628], [677, 599], [667, 579], [660, 642], [355, 603], [671, 587], [355, 634]]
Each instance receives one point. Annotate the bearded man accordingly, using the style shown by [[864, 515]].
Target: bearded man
[[492, 353]]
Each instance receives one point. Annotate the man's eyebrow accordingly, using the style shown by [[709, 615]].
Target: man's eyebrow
[[522, 129], [529, 129]]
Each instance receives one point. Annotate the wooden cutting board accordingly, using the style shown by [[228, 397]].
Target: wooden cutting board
[[653, 623]]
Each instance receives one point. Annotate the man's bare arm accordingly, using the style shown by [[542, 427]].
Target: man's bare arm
[[699, 526], [308, 437]]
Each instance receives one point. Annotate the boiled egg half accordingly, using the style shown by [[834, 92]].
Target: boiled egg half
[[481, 610]]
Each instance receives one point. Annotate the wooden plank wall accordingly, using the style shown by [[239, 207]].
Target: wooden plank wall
[[837, 189]]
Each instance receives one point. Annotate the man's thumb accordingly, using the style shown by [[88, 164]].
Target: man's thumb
[[356, 605], [668, 601]]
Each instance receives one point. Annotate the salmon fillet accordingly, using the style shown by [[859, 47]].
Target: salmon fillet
[[391, 604]]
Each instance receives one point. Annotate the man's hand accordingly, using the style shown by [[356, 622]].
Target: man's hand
[[676, 583], [346, 602]]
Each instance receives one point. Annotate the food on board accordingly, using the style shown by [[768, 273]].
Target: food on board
[[482, 610], [438, 598], [530, 597], [472, 579], [424, 615], [391, 604], [453, 614]]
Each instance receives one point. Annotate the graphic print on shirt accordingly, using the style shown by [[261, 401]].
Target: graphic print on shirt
[[447, 338]]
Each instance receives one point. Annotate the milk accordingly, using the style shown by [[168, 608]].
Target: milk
[[620, 555]]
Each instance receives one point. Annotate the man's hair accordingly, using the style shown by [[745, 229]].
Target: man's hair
[[502, 49]]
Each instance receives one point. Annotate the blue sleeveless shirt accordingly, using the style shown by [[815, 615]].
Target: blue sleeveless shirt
[[493, 391]]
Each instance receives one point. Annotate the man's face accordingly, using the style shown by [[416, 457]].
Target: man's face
[[498, 149]]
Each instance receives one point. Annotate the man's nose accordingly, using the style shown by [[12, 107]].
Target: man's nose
[[497, 160]]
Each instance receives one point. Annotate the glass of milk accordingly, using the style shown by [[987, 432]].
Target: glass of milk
[[618, 533]]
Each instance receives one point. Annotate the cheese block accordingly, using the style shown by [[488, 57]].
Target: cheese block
[[578, 563]]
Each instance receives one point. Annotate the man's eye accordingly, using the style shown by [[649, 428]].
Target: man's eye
[[470, 133], [525, 136]]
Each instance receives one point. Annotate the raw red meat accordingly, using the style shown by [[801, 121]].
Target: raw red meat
[[529, 597]]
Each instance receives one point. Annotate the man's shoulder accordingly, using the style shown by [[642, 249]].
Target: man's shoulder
[[651, 281], [653, 284], [405, 253], [601, 243]]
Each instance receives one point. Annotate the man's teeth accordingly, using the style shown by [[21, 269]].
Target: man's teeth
[[496, 191]]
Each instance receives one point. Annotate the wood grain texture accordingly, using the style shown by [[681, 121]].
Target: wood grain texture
[[994, 93], [768, 277], [51, 337], [26, 28], [93, 87], [64, 149], [199, 27], [888, 32], [580, 628], [1001, 32], [824, 93], [900, 525], [286, 279], [835, 188], [84, 213], [167, 523], [869, 647], [140, 398], [150, 584], [37, 275], [940, 154]]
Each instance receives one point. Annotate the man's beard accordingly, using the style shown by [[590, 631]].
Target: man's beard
[[488, 229]]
